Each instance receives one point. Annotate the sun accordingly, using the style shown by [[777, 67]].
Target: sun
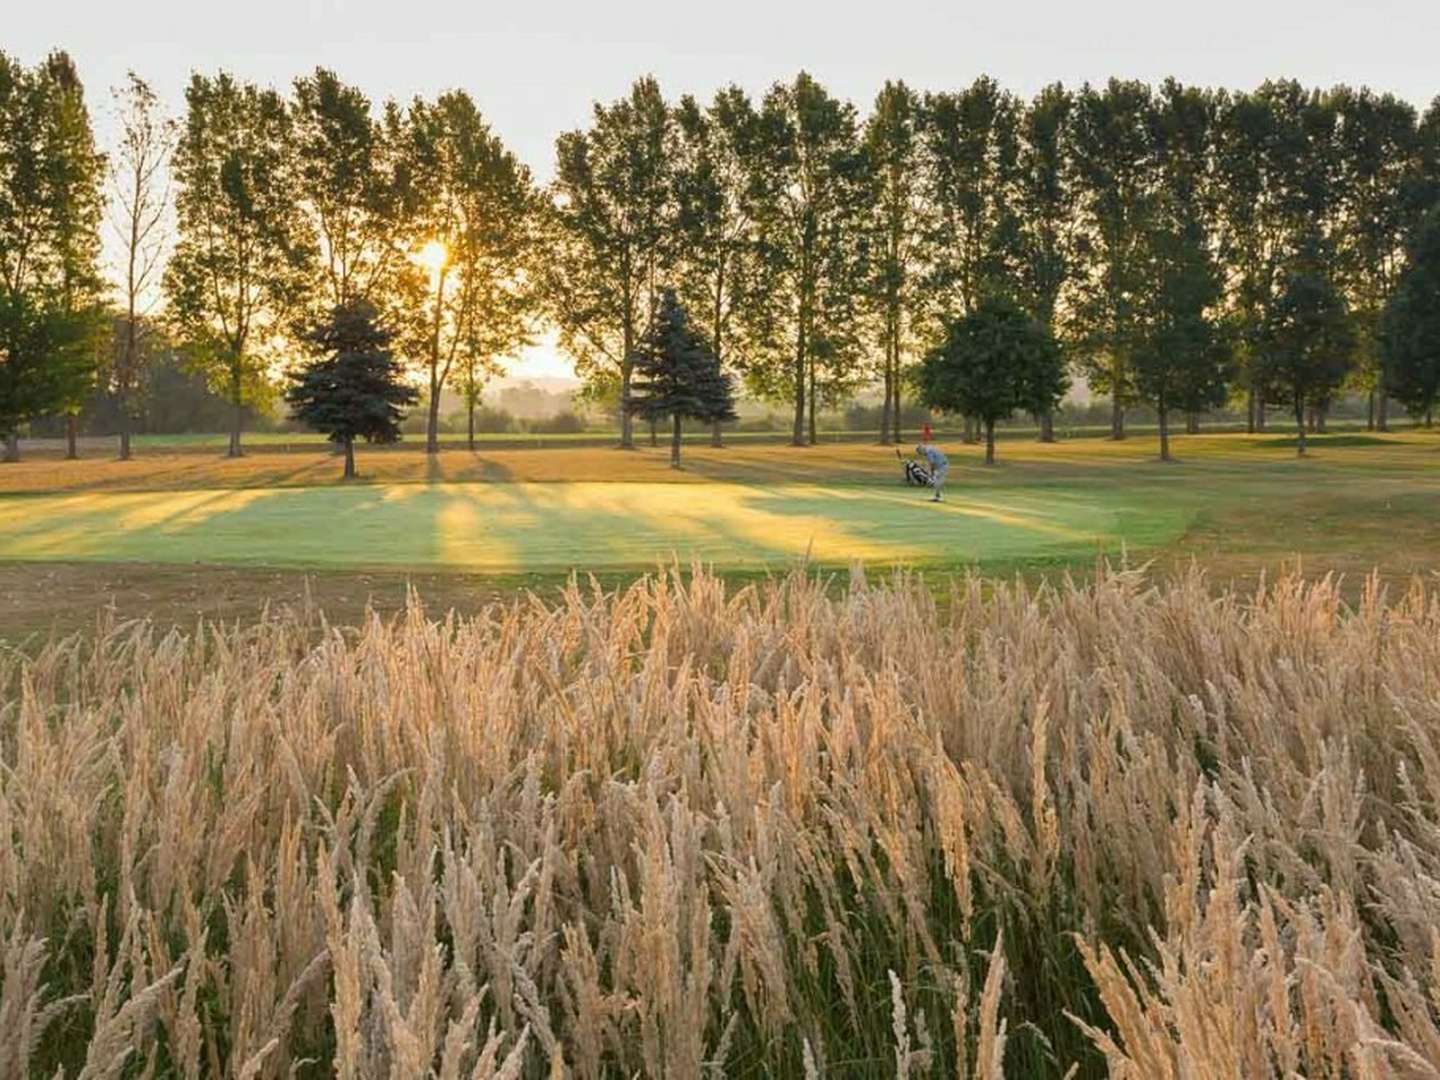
[[433, 256]]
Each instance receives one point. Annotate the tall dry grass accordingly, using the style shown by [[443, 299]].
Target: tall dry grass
[[682, 831]]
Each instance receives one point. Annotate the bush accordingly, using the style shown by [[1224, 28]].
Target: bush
[[865, 417], [488, 421], [563, 423]]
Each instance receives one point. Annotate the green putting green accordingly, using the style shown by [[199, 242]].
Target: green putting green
[[519, 527]]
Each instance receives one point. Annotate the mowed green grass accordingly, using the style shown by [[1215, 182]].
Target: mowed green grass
[[511, 528], [1358, 501]]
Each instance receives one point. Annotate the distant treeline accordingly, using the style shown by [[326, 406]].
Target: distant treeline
[[1191, 249]]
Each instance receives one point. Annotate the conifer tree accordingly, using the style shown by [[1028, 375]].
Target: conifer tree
[[678, 376], [355, 388]]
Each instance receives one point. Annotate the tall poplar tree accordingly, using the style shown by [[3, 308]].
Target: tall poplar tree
[[244, 250], [972, 142], [351, 183], [1115, 169], [1045, 203], [809, 201], [474, 230], [713, 244], [612, 228], [1376, 143], [897, 207], [1181, 353]]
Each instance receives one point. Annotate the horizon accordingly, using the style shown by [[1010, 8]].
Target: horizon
[[507, 60]]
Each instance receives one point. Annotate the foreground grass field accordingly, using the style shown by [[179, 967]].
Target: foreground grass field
[[684, 830], [189, 533]]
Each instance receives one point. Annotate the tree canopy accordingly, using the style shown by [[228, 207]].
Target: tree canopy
[[1410, 328], [993, 362]]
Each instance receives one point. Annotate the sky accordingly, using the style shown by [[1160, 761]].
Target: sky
[[535, 68]]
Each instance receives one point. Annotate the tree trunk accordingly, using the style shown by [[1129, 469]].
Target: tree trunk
[[1164, 413], [72, 448], [654, 432], [627, 419], [797, 437], [1192, 423], [237, 415], [889, 392], [349, 459], [1322, 418], [470, 434], [12, 446], [989, 442], [1300, 426], [969, 437], [1252, 404], [1429, 416], [1117, 419], [675, 444], [813, 439], [1047, 426], [125, 428], [895, 407], [717, 437], [432, 416], [1382, 411], [1370, 415]]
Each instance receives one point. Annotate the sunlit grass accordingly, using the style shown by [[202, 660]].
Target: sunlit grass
[[505, 528], [1242, 502]]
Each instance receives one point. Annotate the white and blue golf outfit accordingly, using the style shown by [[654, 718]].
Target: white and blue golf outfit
[[939, 465]]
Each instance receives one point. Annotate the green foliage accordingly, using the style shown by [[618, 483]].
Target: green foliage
[[677, 375], [355, 388], [711, 151], [897, 211], [973, 143], [1374, 152], [351, 180], [611, 228], [1046, 202], [993, 362], [808, 204], [244, 249], [1181, 348], [1410, 336], [1308, 339], [469, 193], [50, 209], [1115, 165]]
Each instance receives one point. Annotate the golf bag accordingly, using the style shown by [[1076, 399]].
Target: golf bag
[[916, 475]]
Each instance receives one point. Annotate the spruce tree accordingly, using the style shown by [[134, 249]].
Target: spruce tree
[[678, 376], [355, 388]]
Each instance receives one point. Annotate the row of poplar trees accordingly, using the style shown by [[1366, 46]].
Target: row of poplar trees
[[1165, 237]]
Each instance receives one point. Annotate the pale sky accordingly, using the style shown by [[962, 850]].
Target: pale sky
[[535, 67]]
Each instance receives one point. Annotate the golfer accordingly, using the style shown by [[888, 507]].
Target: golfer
[[939, 465]]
